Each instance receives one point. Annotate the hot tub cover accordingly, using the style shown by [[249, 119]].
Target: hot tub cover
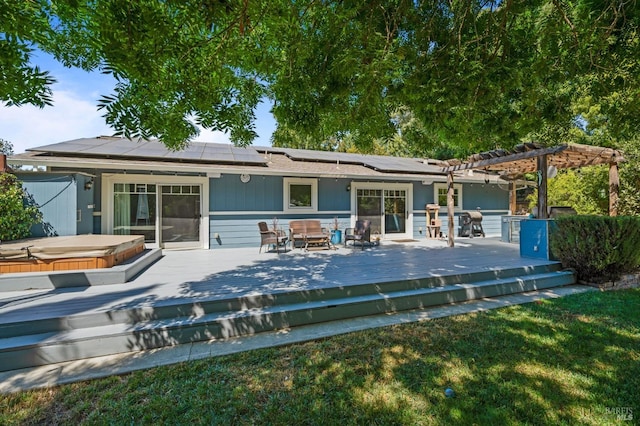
[[68, 247]]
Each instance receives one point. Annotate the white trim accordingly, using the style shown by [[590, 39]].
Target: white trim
[[481, 211], [300, 181], [108, 179], [456, 186], [272, 213], [408, 187]]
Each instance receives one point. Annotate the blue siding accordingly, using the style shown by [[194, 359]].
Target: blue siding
[[422, 195], [261, 193], [97, 200], [333, 195], [85, 199], [56, 196], [487, 197], [265, 193], [235, 231], [491, 224]]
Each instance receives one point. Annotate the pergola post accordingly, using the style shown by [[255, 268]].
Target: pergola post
[[614, 188], [450, 209], [542, 187], [512, 197]]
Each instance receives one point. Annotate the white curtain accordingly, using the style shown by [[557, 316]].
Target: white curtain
[[122, 214]]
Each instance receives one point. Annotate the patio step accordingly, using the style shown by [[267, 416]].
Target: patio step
[[52, 340]]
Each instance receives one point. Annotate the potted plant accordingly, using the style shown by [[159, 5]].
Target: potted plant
[[336, 233]]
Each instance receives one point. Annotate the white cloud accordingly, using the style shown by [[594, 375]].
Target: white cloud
[[212, 136], [70, 118], [75, 114]]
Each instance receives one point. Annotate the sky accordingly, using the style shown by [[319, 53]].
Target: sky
[[75, 114]]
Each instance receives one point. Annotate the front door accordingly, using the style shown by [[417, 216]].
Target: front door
[[386, 206]]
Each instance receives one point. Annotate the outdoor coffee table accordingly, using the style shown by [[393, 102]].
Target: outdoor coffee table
[[317, 240]]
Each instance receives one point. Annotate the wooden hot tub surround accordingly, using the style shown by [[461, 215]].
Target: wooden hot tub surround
[[68, 253]]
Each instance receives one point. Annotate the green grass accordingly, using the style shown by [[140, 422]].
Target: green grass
[[574, 360]]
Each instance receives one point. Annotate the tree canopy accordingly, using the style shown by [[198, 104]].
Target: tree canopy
[[477, 74]]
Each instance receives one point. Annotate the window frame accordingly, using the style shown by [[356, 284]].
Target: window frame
[[313, 183], [456, 187]]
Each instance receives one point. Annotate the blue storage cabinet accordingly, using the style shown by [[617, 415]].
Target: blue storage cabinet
[[534, 238]]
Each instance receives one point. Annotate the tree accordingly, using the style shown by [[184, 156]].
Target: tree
[[478, 74], [6, 147], [17, 213], [630, 179]]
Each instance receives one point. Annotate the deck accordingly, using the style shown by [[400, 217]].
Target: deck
[[193, 275], [193, 296]]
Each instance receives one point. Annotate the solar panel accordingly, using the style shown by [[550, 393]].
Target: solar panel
[[400, 164], [375, 162], [154, 149]]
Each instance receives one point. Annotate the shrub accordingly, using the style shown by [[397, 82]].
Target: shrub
[[598, 248], [17, 213]]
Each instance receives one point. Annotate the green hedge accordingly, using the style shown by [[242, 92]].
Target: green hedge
[[599, 248]]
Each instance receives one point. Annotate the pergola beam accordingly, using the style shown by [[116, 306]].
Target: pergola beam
[[528, 158], [505, 159]]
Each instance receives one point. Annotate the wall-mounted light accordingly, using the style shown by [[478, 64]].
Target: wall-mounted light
[[348, 188], [88, 184]]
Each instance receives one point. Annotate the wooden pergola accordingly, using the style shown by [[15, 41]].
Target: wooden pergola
[[531, 157]]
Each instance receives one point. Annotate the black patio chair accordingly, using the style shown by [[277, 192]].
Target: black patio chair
[[360, 234]]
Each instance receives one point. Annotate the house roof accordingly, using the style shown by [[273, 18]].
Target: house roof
[[105, 152]]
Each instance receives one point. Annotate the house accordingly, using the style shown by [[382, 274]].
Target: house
[[212, 195]]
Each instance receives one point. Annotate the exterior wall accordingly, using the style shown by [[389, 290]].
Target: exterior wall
[[96, 212], [85, 201], [261, 193], [485, 197], [333, 195], [235, 208], [492, 201], [56, 196]]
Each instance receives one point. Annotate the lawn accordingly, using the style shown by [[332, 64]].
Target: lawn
[[574, 360]]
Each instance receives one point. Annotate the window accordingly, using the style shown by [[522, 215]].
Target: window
[[440, 195], [300, 195]]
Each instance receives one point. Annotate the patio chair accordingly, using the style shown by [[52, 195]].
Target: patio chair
[[272, 237], [361, 233]]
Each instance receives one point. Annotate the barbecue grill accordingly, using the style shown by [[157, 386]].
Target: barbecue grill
[[470, 224]]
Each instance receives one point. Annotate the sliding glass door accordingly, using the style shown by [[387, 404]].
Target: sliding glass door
[[180, 219], [386, 206], [166, 215], [134, 210], [395, 211]]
